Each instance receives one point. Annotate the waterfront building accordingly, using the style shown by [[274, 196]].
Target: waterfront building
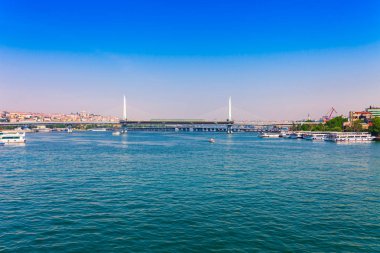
[[14, 117], [364, 116], [375, 111]]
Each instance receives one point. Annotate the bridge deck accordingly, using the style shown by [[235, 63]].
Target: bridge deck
[[170, 122]]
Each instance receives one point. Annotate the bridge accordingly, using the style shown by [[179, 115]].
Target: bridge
[[154, 125], [47, 123], [189, 125], [179, 125]]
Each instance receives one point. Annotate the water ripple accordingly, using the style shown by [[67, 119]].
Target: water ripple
[[175, 192]]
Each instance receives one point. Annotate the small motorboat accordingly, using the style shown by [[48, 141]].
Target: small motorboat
[[212, 140], [116, 133], [269, 135]]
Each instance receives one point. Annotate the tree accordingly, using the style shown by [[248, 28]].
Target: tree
[[319, 127], [375, 128], [306, 127], [336, 124], [295, 127], [356, 126]]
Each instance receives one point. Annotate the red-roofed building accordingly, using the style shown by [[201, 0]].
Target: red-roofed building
[[362, 116]]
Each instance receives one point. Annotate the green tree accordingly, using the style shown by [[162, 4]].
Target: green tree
[[306, 127], [335, 124], [295, 127], [335, 129], [375, 128], [356, 126], [319, 127]]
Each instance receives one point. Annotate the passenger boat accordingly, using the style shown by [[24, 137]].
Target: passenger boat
[[12, 137], [315, 136], [350, 137], [269, 135]]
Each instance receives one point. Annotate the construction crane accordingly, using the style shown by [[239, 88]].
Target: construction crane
[[328, 115]]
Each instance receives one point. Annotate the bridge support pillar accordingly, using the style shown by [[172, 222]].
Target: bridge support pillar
[[124, 128], [229, 129]]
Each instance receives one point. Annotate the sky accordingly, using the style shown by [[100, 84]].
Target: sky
[[278, 60]]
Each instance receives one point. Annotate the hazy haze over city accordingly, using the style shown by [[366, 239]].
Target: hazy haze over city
[[184, 59]]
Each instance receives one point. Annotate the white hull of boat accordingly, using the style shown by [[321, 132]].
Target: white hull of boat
[[12, 138], [269, 135], [350, 137], [98, 130]]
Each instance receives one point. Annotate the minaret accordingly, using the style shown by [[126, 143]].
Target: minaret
[[125, 109]]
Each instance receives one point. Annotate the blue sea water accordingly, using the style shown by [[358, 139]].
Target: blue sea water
[[176, 192]]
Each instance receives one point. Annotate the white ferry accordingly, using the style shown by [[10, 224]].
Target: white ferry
[[315, 136], [350, 137], [269, 135], [12, 137]]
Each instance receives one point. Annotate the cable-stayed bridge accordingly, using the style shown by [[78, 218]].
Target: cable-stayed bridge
[[187, 125]]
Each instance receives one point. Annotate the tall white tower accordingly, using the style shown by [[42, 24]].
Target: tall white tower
[[229, 110], [125, 109], [229, 120]]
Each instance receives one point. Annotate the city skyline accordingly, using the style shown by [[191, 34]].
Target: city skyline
[[186, 63]]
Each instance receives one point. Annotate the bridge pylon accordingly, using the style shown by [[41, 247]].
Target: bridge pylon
[[124, 126], [229, 120]]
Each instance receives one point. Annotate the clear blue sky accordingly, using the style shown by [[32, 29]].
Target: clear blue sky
[[278, 59]]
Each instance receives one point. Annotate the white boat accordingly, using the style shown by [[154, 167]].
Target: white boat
[[116, 133], [269, 135], [98, 129], [285, 134], [212, 140], [119, 132], [43, 130], [69, 130], [350, 137], [295, 135], [12, 137], [315, 136]]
